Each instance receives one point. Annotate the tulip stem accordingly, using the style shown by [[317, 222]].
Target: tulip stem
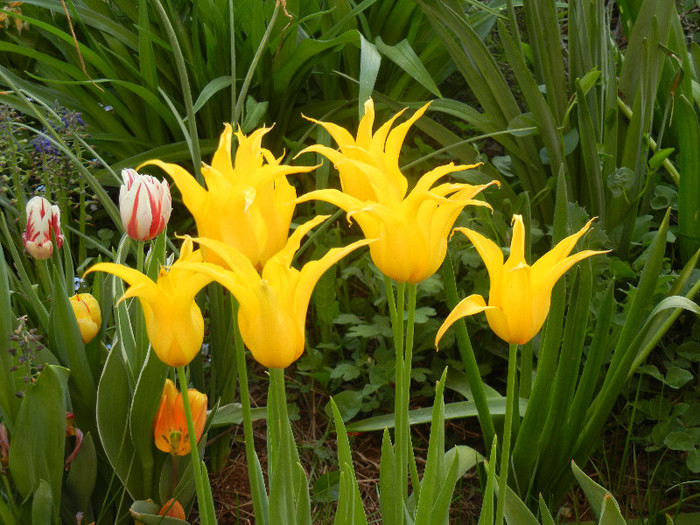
[[206, 517], [507, 428], [257, 484], [405, 459]]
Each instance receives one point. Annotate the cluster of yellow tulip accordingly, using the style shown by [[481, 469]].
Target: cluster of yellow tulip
[[243, 218]]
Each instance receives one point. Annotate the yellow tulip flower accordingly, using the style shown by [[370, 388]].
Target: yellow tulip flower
[[170, 425], [273, 305], [411, 231], [87, 313], [520, 294], [248, 205], [174, 322]]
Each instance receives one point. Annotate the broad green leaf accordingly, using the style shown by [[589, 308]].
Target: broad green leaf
[[38, 441], [64, 335], [689, 167], [9, 402], [82, 475], [113, 402], [423, 415], [611, 512], [211, 89], [515, 510], [595, 494], [42, 505], [403, 55], [370, 59], [232, 414], [142, 413], [675, 301]]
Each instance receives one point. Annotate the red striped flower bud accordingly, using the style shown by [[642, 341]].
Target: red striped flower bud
[[145, 204], [43, 221]]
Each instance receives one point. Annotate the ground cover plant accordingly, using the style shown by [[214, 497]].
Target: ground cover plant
[[210, 209]]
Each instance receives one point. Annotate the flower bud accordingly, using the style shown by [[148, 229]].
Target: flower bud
[[145, 205], [170, 426], [173, 509], [87, 312], [43, 220]]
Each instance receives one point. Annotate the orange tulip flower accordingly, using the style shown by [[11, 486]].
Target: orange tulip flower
[[170, 425]]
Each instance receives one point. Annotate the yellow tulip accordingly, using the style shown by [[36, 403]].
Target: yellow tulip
[[248, 205], [520, 294], [170, 425], [174, 322], [272, 311], [411, 231], [87, 313]]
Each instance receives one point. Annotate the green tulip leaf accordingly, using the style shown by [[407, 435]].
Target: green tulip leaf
[[82, 475], [610, 514], [38, 441], [458, 410], [42, 505]]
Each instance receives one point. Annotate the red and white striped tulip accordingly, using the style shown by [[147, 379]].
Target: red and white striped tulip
[[145, 205], [43, 221]]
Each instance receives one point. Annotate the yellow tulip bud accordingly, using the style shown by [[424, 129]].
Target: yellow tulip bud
[[87, 313]]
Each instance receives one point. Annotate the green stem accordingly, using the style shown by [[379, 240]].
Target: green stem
[[526, 370], [396, 309], [205, 518], [257, 484], [466, 351], [505, 447], [407, 365], [141, 338]]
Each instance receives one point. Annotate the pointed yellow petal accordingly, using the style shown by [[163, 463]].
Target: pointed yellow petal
[[232, 257], [563, 248], [364, 130], [468, 306], [131, 276], [222, 161], [339, 134], [286, 254], [398, 134], [428, 179], [340, 199], [312, 271], [489, 252], [517, 244], [193, 194]]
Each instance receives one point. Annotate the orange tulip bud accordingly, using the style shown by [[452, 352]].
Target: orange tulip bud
[[170, 425], [173, 509]]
